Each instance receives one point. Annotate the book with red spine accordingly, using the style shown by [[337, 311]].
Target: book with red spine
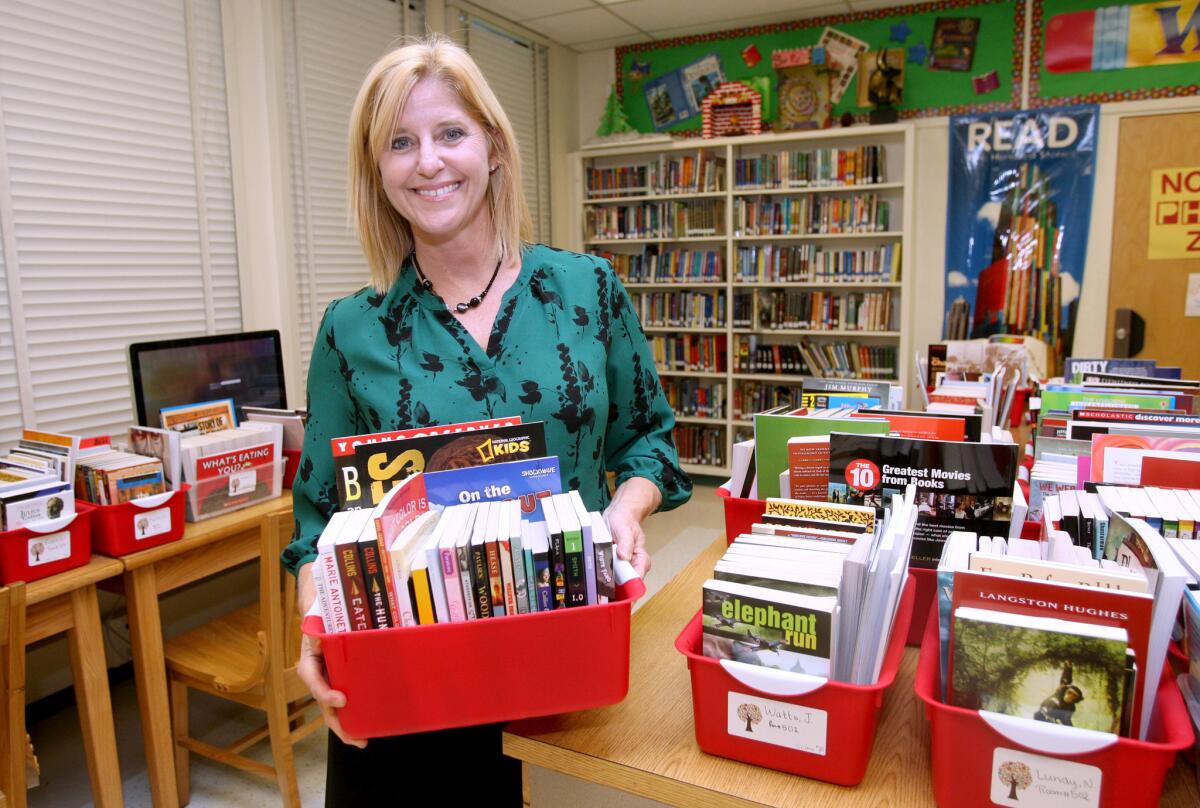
[[398, 509]]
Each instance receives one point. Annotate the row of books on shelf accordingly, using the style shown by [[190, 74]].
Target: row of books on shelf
[[685, 309], [700, 445], [813, 310], [695, 397], [667, 266], [831, 358], [703, 172], [702, 353], [750, 397], [816, 263], [820, 167], [673, 219], [813, 588], [810, 215], [403, 563]]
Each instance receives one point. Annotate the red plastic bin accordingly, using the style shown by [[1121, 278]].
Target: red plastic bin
[[838, 755], [740, 514], [139, 524], [421, 678], [47, 548], [968, 749], [292, 465]]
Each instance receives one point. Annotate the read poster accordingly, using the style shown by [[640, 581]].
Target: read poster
[[1020, 201]]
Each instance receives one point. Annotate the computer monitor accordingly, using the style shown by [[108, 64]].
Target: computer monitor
[[246, 367]]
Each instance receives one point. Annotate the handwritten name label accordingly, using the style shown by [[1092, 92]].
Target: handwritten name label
[[779, 723], [1034, 781]]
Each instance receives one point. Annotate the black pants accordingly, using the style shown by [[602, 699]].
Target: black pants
[[396, 771]]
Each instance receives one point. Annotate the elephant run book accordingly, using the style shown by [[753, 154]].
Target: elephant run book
[[960, 486]]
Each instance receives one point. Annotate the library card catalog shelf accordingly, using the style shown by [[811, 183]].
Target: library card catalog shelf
[[756, 261]]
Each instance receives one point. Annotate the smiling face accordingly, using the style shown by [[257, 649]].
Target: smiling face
[[435, 168]]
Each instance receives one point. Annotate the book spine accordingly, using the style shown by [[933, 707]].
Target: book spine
[[404, 602], [423, 596], [589, 563], [542, 575], [327, 571], [558, 570], [318, 579], [495, 578], [606, 582], [453, 583], [389, 585], [354, 586], [530, 579], [479, 581], [463, 556], [506, 570], [520, 582], [374, 584]]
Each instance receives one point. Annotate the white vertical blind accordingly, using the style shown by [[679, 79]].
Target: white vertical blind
[[114, 133], [330, 48], [515, 68], [10, 395]]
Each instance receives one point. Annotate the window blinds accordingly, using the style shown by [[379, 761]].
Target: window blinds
[[515, 68], [115, 191], [329, 48]]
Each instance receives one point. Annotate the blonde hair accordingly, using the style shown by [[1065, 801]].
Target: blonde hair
[[386, 236]]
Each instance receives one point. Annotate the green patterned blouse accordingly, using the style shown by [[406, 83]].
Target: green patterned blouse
[[566, 349]]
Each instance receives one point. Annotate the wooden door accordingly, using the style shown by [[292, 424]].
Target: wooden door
[[1154, 288]]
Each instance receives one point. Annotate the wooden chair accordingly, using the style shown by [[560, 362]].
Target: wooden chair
[[248, 656], [12, 706]]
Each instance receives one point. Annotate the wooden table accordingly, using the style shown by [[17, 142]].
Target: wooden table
[[67, 602], [646, 744], [206, 548]]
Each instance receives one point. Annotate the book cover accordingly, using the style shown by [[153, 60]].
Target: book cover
[[589, 545], [358, 606], [808, 468], [1047, 669], [325, 570], [527, 481], [452, 529], [376, 587], [38, 503], [1117, 459], [572, 538], [772, 432], [495, 573], [462, 551], [922, 425], [402, 506], [481, 587], [558, 554], [401, 553], [422, 591], [163, 444], [768, 627], [539, 547], [960, 486], [606, 579], [508, 510], [228, 479], [953, 46], [200, 418], [838, 516], [379, 466], [343, 448]]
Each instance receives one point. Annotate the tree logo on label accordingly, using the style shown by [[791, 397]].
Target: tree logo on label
[[1015, 774], [750, 714], [862, 475]]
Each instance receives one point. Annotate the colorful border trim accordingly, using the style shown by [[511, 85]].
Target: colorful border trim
[[1035, 72], [819, 22]]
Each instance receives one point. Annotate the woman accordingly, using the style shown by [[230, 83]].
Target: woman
[[466, 320]]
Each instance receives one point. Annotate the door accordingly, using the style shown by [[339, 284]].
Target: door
[[1156, 288]]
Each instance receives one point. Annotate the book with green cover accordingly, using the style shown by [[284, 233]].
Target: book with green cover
[[1061, 401], [771, 434]]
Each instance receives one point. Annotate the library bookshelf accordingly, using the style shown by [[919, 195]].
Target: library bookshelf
[[755, 262]]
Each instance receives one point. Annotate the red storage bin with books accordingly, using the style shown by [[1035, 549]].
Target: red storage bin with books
[[422, 678], [46, 548], [982, 758], [828, 727], [139, 524], [292, 458], [740, 514], [925, 595]]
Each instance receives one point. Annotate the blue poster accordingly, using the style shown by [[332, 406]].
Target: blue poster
[[1016, 236]]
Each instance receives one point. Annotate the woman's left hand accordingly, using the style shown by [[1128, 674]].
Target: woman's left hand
[[635, 499]]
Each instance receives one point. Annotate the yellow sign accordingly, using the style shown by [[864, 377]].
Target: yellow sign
[[1175, 213], [1163, 33]]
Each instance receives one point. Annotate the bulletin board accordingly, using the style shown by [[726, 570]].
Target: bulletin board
[[997, 58], [1147, 50]]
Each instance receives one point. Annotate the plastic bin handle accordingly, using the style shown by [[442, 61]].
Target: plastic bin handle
[[623, 571], [153, 501], [1049, 738], [51, 525], [770, 680]]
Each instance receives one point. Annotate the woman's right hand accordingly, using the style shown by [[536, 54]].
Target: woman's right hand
[[311, 667]]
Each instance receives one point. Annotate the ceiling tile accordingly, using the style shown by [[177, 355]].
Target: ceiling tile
[[581, 26], [744, 21], [520, 10], [616, 42], [654, 15]]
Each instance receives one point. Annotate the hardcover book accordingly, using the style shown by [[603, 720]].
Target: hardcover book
[[558, 553], [960, 486], [377, 467], [1056, 671], [572, 533], [768, 627], [527, 481]]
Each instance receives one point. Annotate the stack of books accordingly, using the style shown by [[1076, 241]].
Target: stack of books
[[36, 479], [811, 589]]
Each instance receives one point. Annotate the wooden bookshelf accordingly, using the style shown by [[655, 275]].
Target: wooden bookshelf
[[689, 258]]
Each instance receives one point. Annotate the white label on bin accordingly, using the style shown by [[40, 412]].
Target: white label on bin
[[51, 547], [151, 523], [1034, 781], [776, 722], [242, 482]]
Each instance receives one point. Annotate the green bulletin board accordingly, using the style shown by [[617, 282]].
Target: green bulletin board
[[1048, 88], [999, 48]]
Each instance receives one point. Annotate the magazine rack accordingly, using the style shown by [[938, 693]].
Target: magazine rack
[[45, 548], [139, 524], [969, 747], [421, 678], [807, 725]]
